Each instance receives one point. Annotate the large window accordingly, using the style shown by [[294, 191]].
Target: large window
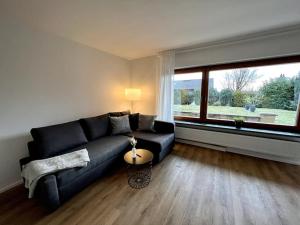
[[263, 94]]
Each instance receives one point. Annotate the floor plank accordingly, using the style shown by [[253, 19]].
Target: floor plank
[[191, 186]]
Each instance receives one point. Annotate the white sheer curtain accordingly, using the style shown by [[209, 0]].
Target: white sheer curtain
[[165, 76]]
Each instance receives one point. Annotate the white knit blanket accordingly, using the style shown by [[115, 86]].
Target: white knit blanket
[[36, 169]]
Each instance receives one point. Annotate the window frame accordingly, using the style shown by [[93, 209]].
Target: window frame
[[235, 65]]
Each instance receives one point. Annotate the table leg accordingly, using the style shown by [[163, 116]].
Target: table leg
[[139, 176]]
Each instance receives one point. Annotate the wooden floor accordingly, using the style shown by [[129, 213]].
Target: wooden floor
[[191, 186]]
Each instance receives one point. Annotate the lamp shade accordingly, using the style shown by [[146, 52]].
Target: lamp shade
[[133, 94]]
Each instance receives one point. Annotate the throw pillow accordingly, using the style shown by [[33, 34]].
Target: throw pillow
[[146, 122], [120, 125]]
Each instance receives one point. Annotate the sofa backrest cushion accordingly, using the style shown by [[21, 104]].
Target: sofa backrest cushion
[[95, 127], [134, 121], [123, 113], [52, 140]]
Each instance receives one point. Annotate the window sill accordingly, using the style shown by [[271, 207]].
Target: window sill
[[286, 136]]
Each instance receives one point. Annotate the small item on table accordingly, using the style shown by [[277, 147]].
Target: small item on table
[[133, 142]]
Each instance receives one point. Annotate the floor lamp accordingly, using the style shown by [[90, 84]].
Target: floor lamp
[[133, 94]]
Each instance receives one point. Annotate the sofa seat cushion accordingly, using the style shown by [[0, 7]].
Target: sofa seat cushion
[[106, 147], [99, 151], [153, 141], [54, 140]]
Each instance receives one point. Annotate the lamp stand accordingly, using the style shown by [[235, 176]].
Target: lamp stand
[[131, 103]]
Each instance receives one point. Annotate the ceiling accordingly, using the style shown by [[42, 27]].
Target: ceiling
[[138, 28]]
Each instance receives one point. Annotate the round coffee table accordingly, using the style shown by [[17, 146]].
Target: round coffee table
[[139, 169]]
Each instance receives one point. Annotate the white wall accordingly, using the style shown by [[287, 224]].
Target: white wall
[[143, 75], [45, 79], [272, 45], [285, 151]]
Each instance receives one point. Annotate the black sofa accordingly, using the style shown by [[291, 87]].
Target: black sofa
[[105, 151]]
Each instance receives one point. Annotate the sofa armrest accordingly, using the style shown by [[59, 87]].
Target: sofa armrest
[[164, 126], [24, 161], [47, 191]]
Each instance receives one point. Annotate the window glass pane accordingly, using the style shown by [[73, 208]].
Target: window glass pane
[[187, 94], [264, 94]]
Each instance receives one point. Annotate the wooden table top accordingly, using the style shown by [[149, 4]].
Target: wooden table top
[[143, 156]]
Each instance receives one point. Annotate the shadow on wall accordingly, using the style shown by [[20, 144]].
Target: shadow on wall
[[11, 150]]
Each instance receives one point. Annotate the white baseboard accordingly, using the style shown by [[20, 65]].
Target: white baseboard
[[241, 151], [10, 186]]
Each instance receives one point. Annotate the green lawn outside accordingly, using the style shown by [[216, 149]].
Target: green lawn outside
[[283, 117]]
